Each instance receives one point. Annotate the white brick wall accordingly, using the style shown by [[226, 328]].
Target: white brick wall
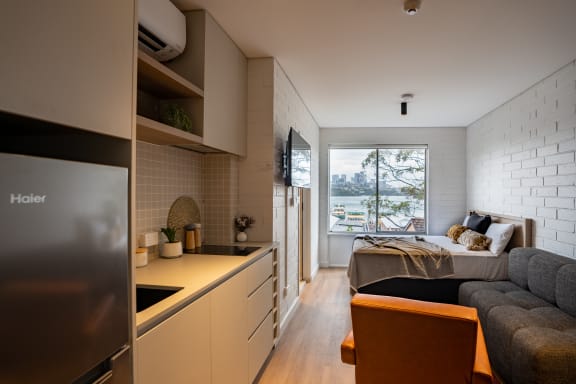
[[290, 111], [521, 160], [273, 107]]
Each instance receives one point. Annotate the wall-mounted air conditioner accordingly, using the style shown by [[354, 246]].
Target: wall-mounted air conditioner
[[161, 29]]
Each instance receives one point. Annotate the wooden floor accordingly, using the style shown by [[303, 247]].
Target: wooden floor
[[309, 349]]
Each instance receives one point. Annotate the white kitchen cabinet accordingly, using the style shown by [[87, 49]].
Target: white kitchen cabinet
[[214, 62], [260, 324], [229, 344], [223, 337], [177, 350], [259, 346], [69, 62], [242, 323]]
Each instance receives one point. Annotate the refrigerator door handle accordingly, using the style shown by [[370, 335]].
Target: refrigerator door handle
[[104, 379]]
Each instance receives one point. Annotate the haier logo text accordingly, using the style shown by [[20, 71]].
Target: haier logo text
[[18, 198]]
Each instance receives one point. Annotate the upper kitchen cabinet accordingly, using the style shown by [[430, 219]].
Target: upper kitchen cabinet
[[69, 62], [214, 62]]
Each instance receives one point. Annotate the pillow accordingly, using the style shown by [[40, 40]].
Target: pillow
[[455, 231], [500, 235], [478, 223], [474, 241]]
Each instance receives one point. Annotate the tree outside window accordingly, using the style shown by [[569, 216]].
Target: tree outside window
[[381, 189]]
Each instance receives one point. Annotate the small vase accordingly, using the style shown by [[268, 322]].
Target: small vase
[[241, 236], [171, 250]]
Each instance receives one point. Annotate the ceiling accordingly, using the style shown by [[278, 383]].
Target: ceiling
[[351, 60]]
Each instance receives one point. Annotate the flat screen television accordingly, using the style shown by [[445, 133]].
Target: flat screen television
[[297, 161]]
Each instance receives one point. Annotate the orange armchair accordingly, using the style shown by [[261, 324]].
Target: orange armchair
[[396, 340]]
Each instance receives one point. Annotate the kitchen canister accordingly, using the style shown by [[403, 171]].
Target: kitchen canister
[[141, 257], [189, 237], [198, 234]]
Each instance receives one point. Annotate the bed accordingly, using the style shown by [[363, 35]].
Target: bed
[[386, 270]]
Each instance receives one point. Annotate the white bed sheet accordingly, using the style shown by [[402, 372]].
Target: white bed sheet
[[473, 264]]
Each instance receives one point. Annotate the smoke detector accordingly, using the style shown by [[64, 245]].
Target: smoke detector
[[412, 7]]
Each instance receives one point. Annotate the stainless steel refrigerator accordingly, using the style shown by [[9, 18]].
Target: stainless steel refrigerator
[[64, 255]]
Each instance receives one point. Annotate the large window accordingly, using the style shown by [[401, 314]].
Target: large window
[[378, 189]]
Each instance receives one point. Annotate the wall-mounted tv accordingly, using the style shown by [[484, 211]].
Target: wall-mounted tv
[[297, 161]]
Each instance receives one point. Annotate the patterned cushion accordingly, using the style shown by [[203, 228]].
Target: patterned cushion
[[455, 231], [474, 241]]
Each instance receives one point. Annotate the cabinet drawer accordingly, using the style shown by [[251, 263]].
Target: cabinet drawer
[[258, 273], [259, 304], [260, 345]]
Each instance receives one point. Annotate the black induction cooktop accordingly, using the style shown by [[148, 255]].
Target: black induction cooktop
[[224, 250]]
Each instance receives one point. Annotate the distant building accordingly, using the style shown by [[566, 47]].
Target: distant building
[[416, 224], [359, 178]]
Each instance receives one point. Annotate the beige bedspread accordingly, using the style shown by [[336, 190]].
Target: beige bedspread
[[377, 258]]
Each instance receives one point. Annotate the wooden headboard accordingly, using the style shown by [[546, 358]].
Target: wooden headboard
[[522, 236]]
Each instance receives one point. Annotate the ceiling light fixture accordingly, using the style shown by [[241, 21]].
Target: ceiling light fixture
[[406, 98], [412, 7]]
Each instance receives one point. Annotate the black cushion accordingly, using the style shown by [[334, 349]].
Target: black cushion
[[479, 223]]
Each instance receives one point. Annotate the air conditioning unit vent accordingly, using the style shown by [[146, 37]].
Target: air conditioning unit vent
[[161, 29]]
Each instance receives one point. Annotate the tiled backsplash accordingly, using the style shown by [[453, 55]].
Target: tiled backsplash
[[165, 173], [220, 191]]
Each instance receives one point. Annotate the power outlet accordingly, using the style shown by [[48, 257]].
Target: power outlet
[[148, 239]]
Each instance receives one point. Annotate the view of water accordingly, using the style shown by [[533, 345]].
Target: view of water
[[354, 204]]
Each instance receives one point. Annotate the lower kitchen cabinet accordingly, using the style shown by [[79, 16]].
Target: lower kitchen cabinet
[[228, 321], [224, 337], [178, 349]]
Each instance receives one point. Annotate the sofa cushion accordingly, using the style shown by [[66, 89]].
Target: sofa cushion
[[530, 340], [532, 345], [542, 273], [518, 259], [566, 288], [485, 295]]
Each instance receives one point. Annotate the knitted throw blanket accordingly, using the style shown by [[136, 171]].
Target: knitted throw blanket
[[377, 258]]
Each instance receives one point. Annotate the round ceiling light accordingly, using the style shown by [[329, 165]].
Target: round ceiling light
[[412, 7]]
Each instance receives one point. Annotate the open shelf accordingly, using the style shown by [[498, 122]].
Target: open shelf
[[156, 78], [152, 131]]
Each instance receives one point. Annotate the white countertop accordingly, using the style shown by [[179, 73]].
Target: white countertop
[[195, 273]]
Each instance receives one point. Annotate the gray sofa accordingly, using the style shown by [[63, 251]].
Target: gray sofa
[[529, 321]]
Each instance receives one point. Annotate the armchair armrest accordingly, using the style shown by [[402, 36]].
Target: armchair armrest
[[482, 371], [348, 350]]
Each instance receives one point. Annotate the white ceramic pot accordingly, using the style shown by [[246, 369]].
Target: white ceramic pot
[[171, 250], [241, 236]]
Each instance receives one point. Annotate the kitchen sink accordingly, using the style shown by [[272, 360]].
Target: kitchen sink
[[147, 296]]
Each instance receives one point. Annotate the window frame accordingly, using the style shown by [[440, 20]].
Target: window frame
[[425, 147]]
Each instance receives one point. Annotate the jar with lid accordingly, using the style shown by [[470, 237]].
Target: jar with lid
[[198, 234], [189, 237]]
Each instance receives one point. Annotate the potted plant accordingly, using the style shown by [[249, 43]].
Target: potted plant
[[242, 223], [173, 248]]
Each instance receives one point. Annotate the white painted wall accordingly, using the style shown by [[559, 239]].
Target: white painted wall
[[446, 179], [274, 106], [290, 111], [521, 161]]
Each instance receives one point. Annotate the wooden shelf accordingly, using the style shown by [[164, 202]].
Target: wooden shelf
[[160, 80], [152, 131]]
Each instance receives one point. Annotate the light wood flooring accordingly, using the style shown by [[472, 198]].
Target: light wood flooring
[[308, 351]]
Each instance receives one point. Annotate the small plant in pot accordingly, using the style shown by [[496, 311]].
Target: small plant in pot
[[173, 248], [242, 223]]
